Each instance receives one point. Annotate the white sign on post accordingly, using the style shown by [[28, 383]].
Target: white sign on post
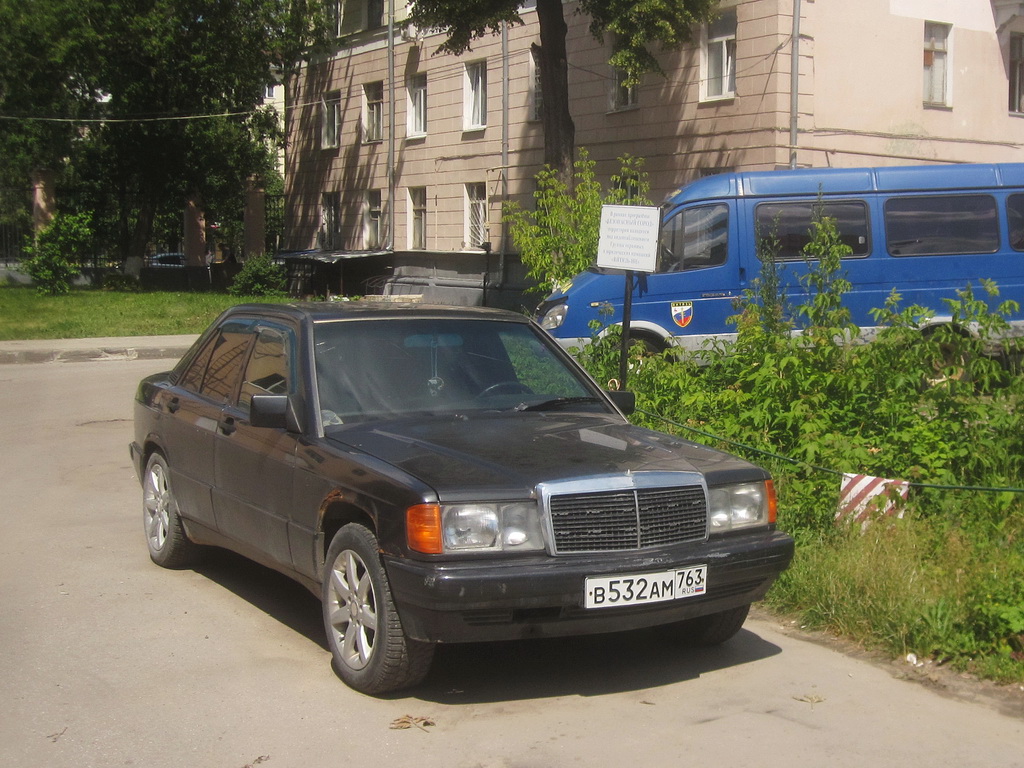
[[629, 237]]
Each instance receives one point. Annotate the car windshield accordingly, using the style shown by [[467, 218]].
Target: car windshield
[[393, 366]]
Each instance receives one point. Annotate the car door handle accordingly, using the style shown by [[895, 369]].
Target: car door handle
[[227, 425], [174, 405]]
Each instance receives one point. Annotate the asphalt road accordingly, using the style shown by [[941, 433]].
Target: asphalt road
[[109, 660]]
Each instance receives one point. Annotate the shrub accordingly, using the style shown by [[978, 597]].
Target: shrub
[[260, 276], [52, 257], [932, 408]]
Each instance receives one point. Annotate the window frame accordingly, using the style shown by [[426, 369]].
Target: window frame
[[622, 97], [330, 120], [417, 215], [714, 38], [330, 220], [937, 51], [1016, 73], [373, 218], [474, 96], [416, 100], [373, 112], [476, 205]]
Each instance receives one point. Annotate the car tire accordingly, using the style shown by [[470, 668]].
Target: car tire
[[169, 545], [364, 632], [713, 629]]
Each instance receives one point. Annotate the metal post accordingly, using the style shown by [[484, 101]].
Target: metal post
[[627, 316], [794, 83]]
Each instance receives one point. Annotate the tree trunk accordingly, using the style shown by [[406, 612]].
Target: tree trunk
[[559, 129]]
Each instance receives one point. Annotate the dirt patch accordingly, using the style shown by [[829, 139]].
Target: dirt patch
[[1006, 699]]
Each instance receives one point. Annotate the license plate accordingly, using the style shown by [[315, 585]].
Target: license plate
[[642, 588]]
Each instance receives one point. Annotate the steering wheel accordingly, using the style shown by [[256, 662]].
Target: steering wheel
[[510, 387]]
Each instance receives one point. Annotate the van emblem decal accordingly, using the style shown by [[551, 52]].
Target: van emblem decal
[[682, 313]]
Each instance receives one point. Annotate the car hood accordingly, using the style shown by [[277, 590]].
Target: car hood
[[507, 455]]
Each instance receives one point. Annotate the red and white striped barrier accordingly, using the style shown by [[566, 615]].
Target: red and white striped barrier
[[862, 497]]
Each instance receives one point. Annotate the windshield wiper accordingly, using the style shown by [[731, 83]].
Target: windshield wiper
[[557, 402]]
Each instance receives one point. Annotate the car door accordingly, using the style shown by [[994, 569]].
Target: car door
[[193, 409], [254, 466]]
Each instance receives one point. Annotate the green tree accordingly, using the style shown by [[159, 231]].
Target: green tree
[[559, 238], [632, 27], [144, 103]]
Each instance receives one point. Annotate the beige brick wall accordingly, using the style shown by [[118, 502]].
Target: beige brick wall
[[859, 104]]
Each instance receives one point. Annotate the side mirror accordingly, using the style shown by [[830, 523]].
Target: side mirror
[[272, 411], [624, 400]]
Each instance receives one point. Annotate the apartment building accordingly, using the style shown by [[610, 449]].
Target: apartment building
[[397, 151]]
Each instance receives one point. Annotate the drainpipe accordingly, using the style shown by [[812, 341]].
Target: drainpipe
[[794, 83], [504, 151], [391, 126]]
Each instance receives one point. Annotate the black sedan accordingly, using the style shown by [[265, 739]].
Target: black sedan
[[443, 475]]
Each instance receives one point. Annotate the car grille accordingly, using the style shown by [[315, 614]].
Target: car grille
[[628, 519]]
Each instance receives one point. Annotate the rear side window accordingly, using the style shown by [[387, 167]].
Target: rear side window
[[948, 224], [791, 225], [215, 370], [695, 238], [1015, 215]]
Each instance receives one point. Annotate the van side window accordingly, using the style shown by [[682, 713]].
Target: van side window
[[791, 225], [695, 238], [948, 224], [1015, 214]]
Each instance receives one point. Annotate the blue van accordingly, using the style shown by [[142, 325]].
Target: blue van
[[926, 231]]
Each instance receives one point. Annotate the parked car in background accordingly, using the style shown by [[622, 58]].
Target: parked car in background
[[165, 260], [443, 475]]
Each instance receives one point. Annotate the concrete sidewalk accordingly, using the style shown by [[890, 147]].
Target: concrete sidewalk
[[85, 350]]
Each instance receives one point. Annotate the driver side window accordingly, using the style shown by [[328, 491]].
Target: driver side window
[[695, 238]]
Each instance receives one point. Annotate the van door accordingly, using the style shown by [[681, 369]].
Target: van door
[[698, 278]]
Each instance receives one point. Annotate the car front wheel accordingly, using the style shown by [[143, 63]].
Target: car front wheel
[[169, 545], [371, 652]]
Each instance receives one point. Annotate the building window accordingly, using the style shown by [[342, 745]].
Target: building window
[[936, 63], [623, 96], [1016, 73], [334, 15], [330, 120], [374, 14], [536, 94], [372, 217], [373, 111], [417, 218], [475, 96], [330, 220], [718, 59], [416, 125], [476, 215]]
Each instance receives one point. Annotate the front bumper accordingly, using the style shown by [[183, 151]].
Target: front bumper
[[487, 600]]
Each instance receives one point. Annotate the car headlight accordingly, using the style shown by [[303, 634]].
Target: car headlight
[[555, 316], [743, 505], [437, 529]]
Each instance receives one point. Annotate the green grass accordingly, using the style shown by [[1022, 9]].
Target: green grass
[[85, 313]]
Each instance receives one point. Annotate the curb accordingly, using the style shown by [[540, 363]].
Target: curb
[[84, 352]]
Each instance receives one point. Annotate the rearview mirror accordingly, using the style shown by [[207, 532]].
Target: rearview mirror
[[272, 411], [625, 401]]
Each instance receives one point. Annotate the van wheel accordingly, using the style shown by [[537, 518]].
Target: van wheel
[[371, 651]]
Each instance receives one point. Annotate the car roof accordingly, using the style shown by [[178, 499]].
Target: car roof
[[329, 311]]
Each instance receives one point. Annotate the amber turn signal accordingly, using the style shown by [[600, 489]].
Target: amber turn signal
[[423, 528], [773, 504]]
